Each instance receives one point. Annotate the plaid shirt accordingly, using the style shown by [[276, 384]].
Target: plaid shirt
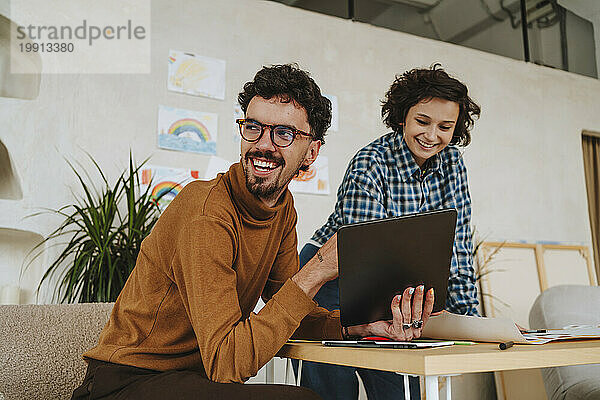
[[383, 180]]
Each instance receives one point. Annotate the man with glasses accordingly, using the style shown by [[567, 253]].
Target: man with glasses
[[183, 326]]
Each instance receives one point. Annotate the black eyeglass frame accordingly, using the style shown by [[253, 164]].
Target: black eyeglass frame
[[295, 131]]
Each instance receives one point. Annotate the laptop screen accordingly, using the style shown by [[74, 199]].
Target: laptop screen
[[379, 259]]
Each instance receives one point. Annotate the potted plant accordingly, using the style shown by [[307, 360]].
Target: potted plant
[[105, 229]]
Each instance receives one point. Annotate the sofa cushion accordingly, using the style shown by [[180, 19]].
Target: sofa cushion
[[41, 347], [558, 307]]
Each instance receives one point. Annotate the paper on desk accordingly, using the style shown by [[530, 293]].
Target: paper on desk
[[567, 333], [480, 329]]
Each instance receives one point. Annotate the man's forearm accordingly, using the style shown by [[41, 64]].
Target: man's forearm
[[320, 269], [310, 278]]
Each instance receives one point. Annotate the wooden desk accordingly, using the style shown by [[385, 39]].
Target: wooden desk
[[453, 360]]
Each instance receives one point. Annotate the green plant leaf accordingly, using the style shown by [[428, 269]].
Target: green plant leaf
[[103, 230]]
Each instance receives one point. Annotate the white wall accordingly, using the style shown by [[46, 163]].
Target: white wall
[[525, 162]]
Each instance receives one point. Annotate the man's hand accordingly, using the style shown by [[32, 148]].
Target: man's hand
[[405, 324], [321, 268]]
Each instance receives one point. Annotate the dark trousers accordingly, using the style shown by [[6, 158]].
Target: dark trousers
[[113, 381], [333, 382]]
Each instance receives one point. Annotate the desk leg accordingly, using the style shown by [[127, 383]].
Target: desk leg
[[431, 388], [286, 381], [406, 385], [406, 388], [289, 369], [449, 387], [299, 373]]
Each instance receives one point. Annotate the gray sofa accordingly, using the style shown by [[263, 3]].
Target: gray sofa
[[558, 307], [41, 346]]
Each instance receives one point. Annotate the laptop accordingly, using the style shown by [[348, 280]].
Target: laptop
[[380, 259]]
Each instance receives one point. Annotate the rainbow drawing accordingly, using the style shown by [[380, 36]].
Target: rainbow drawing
[[164, 183], [191, 128], [172, 59], [165, 190], [187, 130]]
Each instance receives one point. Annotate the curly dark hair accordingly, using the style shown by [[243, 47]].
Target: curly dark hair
[[291, 84], [416, 85]]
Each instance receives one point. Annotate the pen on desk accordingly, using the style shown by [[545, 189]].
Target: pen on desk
[[506, 345], [535, 331]]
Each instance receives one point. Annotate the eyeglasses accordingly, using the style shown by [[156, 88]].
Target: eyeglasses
[[281, 135]]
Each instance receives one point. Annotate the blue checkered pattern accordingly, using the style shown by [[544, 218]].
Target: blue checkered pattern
[[383, 180]]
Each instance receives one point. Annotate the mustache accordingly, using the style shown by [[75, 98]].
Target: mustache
[[267, 155]]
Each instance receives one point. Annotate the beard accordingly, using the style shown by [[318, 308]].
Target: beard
[[268, 187]]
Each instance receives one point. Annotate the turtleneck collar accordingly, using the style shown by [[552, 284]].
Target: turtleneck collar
[[250, 206]]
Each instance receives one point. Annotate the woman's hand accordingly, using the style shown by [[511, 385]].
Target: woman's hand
[[410, 312]]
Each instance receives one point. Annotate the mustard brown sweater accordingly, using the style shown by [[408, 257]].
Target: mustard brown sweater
[[189, 301]]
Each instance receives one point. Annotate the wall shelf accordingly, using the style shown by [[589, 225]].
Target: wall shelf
[[15, 244], [21, 85], [10, 188]]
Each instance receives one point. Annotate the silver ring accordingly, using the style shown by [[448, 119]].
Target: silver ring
[[417, 324], [406, 326]]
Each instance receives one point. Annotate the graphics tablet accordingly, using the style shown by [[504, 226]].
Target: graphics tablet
[[379, 259], [384, 344]]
